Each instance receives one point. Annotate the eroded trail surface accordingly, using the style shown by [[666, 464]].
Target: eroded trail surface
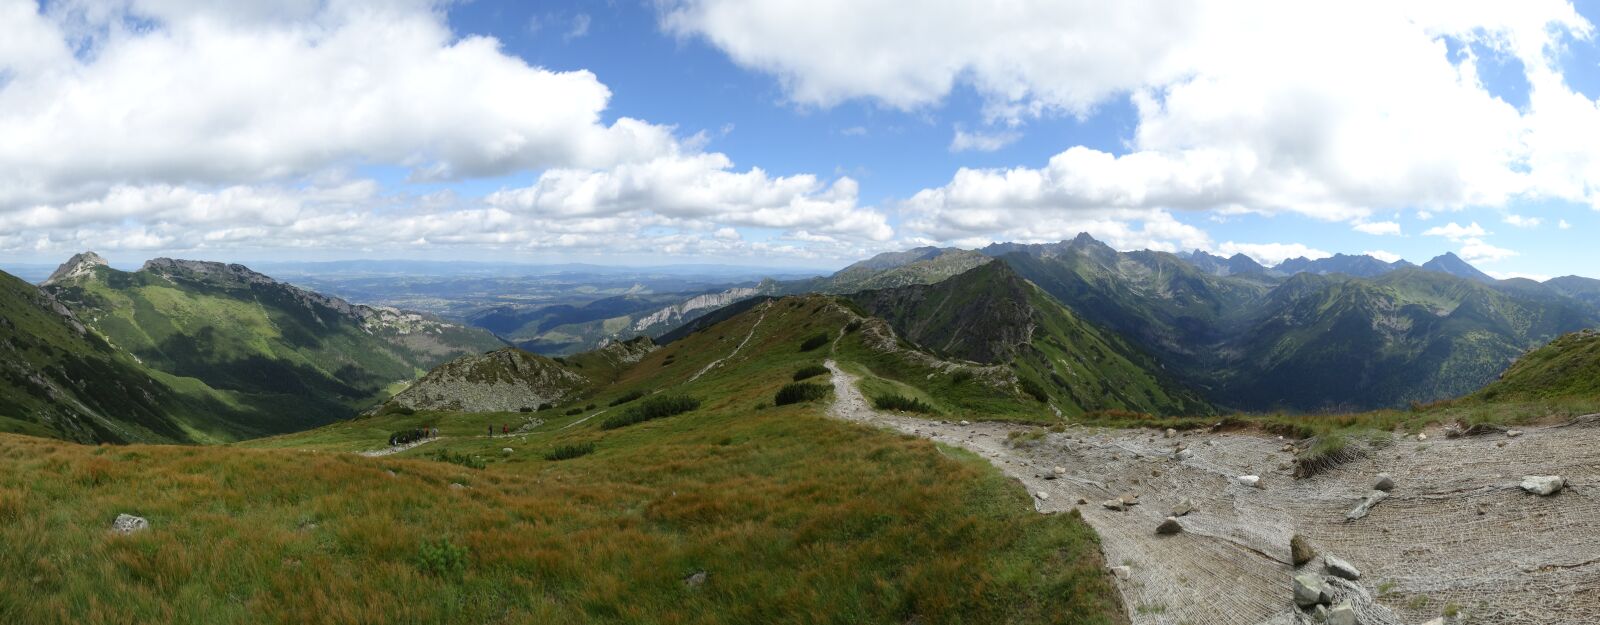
[[1456, 535]]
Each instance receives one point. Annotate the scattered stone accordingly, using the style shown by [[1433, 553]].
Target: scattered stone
[[1048, 476], [1121, 572], [1319, 614], [1384, 483], [129, 524], [1309, 590], [1253, 481], [1082, 501], [696, 579], [1500, 444], [1169, 526], [1300, 551], [1340, 568], [1287, 448], [1129, 499], [1453, 431], [965, 423], [1183, 454], [1513, 433], [1042, 495], [1170, 433], [1183, 508], [457, 486], [1422, 437], [1437, 621], [505, 450], [1361, 510], [1061, 470], [391, 473], [1343, 614], [1543, 485], [1113, 504]]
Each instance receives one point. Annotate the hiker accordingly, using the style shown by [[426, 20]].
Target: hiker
[[491, 430], [505, 429]]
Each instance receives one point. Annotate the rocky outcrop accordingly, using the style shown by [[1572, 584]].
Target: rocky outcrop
[[677, 314], [505, 380], [78, 265]]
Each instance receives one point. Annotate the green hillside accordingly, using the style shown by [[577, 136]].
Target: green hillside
[[1309, 342], [990, 316], [287, 358], [59, 379], [1569, 367]]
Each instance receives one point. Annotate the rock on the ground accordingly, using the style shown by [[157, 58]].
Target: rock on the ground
[[1129, 499], [965, 423], [1253, 481], [1361, 510], [1343, 614], [1170, 433], [1121, 572], [457, 486], [1310, 590], [1061, 470], [1513, 433], [1042, 495], [505, 450], [1169, 526], [1543, 485], [1113, 504], [1340, 568], [1300, 551], [696, 579], [1183, 454], [129, 524], [1383, 483], [1183, 508]]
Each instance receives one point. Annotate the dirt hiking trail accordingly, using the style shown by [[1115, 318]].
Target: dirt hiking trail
[[1455, 536]]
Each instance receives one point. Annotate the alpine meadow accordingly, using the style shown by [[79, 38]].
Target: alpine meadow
[[747, 311]]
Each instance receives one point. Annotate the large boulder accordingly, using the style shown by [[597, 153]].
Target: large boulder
[[1169, 527], [1343, 614], [1383, 483], [1310, 590], [1340, 568], [1361, 510], [129, 524], [1543, 485]]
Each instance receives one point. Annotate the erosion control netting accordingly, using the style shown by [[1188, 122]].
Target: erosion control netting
[[1456, 535]]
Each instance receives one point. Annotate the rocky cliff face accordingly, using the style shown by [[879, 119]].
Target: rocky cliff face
[[505, 380], [673, 316]]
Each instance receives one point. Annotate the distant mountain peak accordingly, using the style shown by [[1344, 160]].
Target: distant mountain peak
[[205, 271], [79, 265], [1451, 264]]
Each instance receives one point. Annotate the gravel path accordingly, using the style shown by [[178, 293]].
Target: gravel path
[[376, 453], [1456, 531]]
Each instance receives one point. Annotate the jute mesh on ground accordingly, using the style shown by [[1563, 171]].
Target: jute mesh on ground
[[1457, 535]]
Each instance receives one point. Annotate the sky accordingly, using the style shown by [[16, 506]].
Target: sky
[[798, 133]]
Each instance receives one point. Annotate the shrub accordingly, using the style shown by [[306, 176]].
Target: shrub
[[397, 409], [630, 396], [1032, 388], [468, 461], [574, 412], [546, 406], [810, 371], [525, 409], [852, 326], [900, 402], [796, 392], [816, 340], [961, 377], [654, 408], [589, 407], [442, 558], [565, 452]]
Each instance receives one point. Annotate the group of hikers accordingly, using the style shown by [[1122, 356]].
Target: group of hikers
[[407, 437], [505, 430]]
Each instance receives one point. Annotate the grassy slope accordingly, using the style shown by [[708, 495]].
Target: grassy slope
[[282, 364], [794, 516], [1568, 367], [56, 381]]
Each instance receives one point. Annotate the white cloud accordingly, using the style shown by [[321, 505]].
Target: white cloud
[[580, 27], [1456, 232], [1378, 227], [1523, 222], [1319, 126], [192, 125], [1477, 251], [982, 141], [1388, 257], [1564, 225], [1271, 254]]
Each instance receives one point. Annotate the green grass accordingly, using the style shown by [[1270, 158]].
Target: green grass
[[797, 392], [891, 529], [569, 451], [813, 342]]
